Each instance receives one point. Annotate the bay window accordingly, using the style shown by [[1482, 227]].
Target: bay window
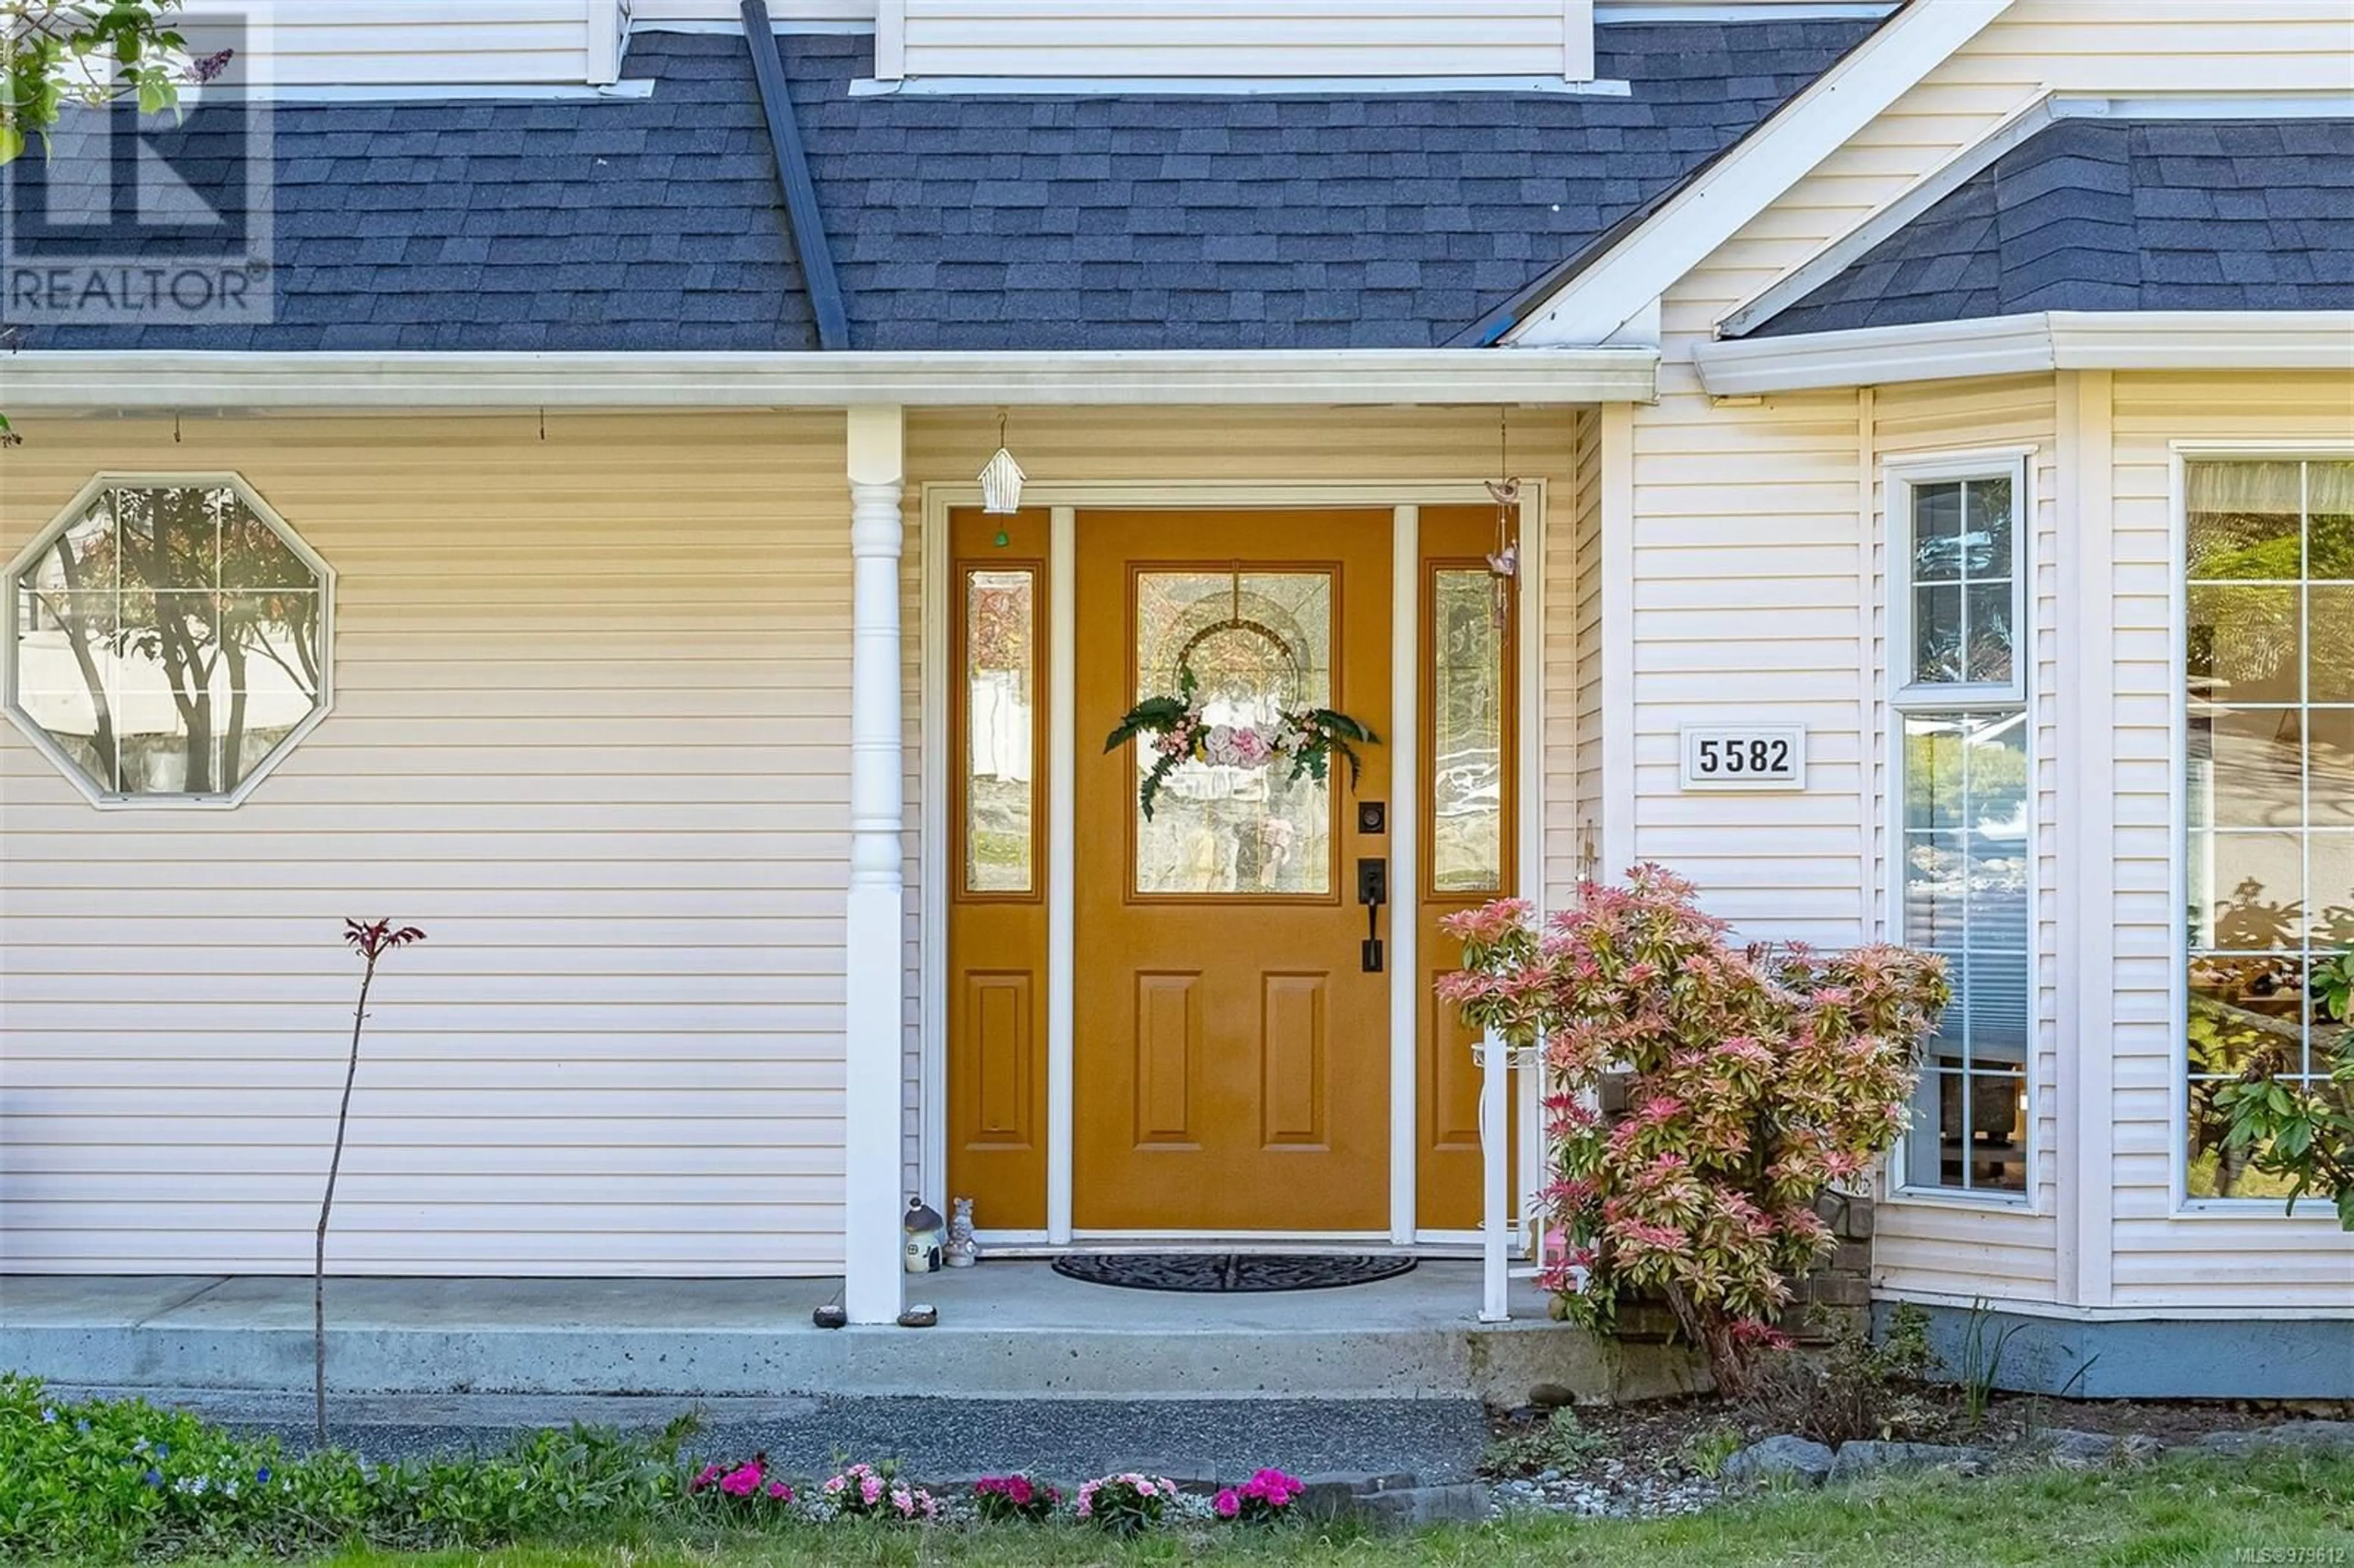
[[2268, 788]]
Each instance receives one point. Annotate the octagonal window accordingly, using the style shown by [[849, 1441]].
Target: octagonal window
[[167, 640]]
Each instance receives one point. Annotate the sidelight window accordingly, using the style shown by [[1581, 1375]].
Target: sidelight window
[[1963, 831]]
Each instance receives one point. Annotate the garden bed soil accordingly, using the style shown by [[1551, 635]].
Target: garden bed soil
[[1659, 1458]]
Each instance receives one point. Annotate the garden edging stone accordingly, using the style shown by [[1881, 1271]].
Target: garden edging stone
[[1866, 1458], [1785, 1457]]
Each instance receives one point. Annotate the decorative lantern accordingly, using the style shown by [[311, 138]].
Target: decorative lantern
[[1000, 481]]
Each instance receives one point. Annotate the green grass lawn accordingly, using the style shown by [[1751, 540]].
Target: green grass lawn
[[2279, 1509]]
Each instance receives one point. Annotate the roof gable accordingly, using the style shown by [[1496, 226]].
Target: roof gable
[[2096, 214]]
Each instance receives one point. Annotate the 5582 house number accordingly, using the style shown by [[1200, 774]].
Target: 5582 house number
[[1749, 756]]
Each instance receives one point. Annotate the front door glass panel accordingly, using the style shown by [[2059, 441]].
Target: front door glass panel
[[1258, 643], [1467, 734]]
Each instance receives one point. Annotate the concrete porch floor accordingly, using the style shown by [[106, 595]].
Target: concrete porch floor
[[1008, 1329], [1025, 1368]]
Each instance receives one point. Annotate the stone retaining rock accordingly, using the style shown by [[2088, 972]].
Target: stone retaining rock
[[1856, 1460], [2088, 1450], [1782, 1458], [1409, 1506], [2323, 1434]]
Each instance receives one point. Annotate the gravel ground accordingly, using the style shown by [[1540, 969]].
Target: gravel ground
[[1436, 1441]]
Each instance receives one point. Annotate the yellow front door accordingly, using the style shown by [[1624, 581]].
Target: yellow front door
[[1231, 1052]]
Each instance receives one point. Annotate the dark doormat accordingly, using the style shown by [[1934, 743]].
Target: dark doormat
[[1223, 1271]]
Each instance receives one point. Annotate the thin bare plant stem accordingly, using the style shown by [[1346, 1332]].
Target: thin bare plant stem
[[326, 1206]]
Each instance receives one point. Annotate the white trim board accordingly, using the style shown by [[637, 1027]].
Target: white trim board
[[1225, 86], [2030, 345], [1615, 288], [116, 382]]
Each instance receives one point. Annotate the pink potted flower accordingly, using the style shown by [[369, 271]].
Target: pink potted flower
[[1002, 1499]]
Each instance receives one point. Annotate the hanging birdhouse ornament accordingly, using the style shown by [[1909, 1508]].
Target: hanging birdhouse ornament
[[1001, 484]]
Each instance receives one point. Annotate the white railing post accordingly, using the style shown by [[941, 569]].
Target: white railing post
[[1495, 1166], [874, 1288]]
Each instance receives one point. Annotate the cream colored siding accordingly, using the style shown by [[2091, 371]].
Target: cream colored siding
[[1573, 675], [589, 732], [1211, 38], [432, 44], [1751, 511], [1745, 592], [2219, 1255], [1935, 1246]]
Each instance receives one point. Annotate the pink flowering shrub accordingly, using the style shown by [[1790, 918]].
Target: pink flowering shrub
[[1124, 1505], [748, 1485], [1004, 1499], [1755, 1079], [1265, 1499], [864, 1491]]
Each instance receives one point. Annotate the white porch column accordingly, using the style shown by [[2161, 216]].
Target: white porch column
[[874, 1287], [1495, 1177]]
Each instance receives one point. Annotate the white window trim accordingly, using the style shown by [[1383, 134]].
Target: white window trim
[[46, 537], [2311, 1210], [1900, 476]]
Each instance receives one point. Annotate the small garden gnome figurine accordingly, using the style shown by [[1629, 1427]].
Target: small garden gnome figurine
[[926, 1235], [962, 1251]]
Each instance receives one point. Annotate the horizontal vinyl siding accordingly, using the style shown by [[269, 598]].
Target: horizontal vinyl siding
[[2249, 1255], [1745, 611], [1088, 39], [430, 43], [1940, 1247], [590, 732]]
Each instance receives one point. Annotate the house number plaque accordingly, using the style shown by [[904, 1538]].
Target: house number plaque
[[1745, 756]]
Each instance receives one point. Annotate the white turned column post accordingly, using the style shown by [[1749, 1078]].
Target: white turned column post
[[874, 1286]]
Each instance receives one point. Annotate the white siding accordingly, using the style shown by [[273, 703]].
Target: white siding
[[1574, 677], [1085, 40], [1747, 593], [2222, 1256], [592, 708], [436, 42]]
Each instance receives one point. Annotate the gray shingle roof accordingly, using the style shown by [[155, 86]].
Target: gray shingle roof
[[975, 221], [2117, 215]]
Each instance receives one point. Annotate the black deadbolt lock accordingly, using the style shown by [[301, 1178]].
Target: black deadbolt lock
[[1373, 817]]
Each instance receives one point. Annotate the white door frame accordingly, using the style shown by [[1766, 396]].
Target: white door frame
[[1063, 502]]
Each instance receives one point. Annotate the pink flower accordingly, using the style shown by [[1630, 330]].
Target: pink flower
[[742, 1483], [869, 1489], [1227, 1503], [779, 1491], [703, 1478], [1018, 1488]]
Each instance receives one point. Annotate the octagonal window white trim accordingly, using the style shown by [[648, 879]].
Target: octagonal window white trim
[[13, 611]]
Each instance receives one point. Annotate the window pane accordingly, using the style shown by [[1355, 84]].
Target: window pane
[[1259, 645], [1938, 646], [1965, 896], [1938, 534], [2329, 644], [1000, 750], [1990, 635], [1467, 740], [2247, 891], [1987, 530], [2243, 520], [2329, 530], [2247, 767], [2244, 645]]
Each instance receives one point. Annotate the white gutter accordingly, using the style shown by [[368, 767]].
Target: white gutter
[[2030, 344], [61, 382]]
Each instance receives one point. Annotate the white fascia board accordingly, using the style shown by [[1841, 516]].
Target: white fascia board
[[1755, 174], [2030, 345], [130, 380]]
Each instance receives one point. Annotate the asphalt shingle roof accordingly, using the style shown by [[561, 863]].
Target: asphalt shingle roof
[[974, 221], [2117, 215]]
